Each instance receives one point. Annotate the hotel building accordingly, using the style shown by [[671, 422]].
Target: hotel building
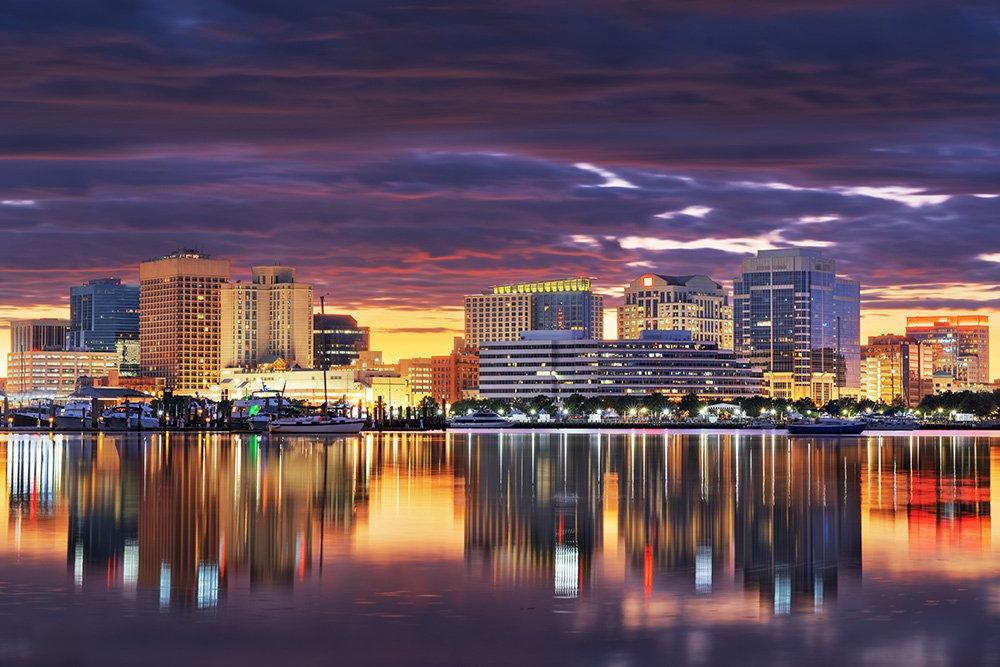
[[561, 363], [677, 303], [505, 311], [266, 319], [894, 366], [338, 340], [54, 374], [456, 375], [180, 319], [799, 323], [959, 346]]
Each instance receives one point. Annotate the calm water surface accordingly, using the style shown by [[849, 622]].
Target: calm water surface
[[584, 548]]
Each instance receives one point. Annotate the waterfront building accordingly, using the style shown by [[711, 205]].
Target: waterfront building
[[505, 311], [268, 318], [561, 363], [895, 366], [101, 313], [692, 303], [38, 334], [419, 373], [959, 346], [299, 384], [338, 340], [799, 323], [456, 375], [180, 319], [54, 374]]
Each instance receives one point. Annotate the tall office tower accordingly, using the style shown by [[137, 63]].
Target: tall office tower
[[505, 311], [100, 313], [266, 319], [677, 303], [796, 320], [338, 340], [36, 335], [180, 319], [889, 368], [959, 345]]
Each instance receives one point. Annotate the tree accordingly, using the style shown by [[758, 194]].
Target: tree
[[691, 404], [575, 403], [428, 406], [655, 404], [542, 402]]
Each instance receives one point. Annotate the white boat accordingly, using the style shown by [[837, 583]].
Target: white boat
[[138, 415], [827, 426], [480, 419], [315, 424], [75, 414]]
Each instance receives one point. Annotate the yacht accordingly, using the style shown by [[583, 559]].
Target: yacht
[[895, 423], [480, 419], [75, 414], [130, 417], [34, 415], [315, 424], [826, 426]]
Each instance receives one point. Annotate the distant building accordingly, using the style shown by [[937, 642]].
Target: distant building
[[505, 311], [268, 318], [180, 319], [38, 334], [54, 374], [455, 375], [800, 323], [419, 372], [338, 340], [692, 303], [959, 346], [100, 313], [561, 363]]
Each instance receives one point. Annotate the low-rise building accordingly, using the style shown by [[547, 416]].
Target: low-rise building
[[561, 363], [54, 374]]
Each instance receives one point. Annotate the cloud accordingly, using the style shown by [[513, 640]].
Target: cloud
[[693, 211], [611, 180]]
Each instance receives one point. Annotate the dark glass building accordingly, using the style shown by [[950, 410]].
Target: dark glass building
[[101, 313], [800, 323], [337, 340]]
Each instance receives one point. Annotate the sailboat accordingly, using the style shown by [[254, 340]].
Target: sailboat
[[316, 424]]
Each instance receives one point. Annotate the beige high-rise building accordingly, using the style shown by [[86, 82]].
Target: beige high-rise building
[[960, 346], [677, 303], [268, 318], [180, 319]]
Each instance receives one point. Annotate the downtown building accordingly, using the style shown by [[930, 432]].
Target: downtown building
[[104, 317], [505, 311], [267, 319], [338, 340], [456, 375], [38, 334], [692, 303], [562, 363], [896, 367], [958, 346], [180, 319], [799, 323]]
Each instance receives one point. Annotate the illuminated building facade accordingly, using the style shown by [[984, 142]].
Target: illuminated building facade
[[561, 363], [959, 345], [101, 313], [896, 367], [506, 311], [677, 303], [269, 318], [419, 372], [800, 323], [455, 376], [180, 319], [54, 373], [338, 340]]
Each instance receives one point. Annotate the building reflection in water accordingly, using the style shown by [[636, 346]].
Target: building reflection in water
[[779, 523]]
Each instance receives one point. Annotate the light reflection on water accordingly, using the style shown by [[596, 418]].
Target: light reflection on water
[[590, 547]]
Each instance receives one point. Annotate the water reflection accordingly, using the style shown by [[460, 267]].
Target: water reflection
[[720, 528]]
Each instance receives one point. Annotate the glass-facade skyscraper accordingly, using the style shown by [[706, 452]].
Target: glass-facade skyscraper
[[338, 340], [800, 323], [101, 313]]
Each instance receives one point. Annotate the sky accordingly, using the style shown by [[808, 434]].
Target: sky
[[402, 154]]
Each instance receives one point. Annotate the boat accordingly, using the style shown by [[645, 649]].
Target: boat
[[827, 426], [315, 424], [480, 419], [31, 416], [74, 415], [131, 417], [892, 424]]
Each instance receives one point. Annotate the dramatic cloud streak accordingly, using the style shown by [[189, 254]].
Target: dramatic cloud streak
[[403, 154]]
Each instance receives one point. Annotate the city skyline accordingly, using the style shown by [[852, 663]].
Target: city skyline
[[398, 158]]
